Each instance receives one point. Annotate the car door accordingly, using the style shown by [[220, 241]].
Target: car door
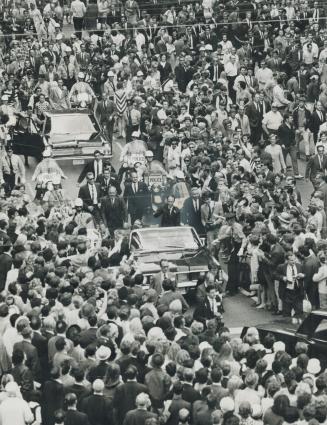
[[318, 342]]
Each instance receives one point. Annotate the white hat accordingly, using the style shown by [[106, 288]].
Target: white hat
[[111, 74], [208, 47], [179, 174], [46, 153], [59, 37], [135, 134], [314, 366], [227, 404], [5, 97], [56, 179], [278, 346], [139, 74], [202, 49], [68, 49], [81, 75], [12, 388], [103, 353], [57, 25], [148, 153], [78, 202]]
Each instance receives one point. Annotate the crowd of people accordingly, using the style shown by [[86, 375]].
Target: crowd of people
[[209, 102]]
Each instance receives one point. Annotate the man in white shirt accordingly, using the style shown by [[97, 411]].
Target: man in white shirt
[[77, 11], [263, 75], [278, 95], [14, 410], [272, 120]]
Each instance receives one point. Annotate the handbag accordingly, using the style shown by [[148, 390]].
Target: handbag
[[307, 306]]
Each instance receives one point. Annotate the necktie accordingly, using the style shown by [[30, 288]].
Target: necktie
[[98, 169], [135, 187], [112, 201], [11, 167]]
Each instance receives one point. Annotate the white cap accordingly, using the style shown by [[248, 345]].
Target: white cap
[[81, 75], [78, 202], [57, 25], [111, 74], [139, 74], [135, 134], [46, 153], [148, 153], [59, 37], [68, 49], [5, 97], [208, 47]]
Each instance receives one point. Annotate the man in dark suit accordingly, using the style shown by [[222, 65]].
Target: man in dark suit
[[90, 195], [210, 306], [286, 135], [191, 211], [215, 69], [140, 415], [5, 260], [137, 195], [291, 288], [73, 417], [182, 75], [78, 388], [113, 210], [170, 215], [318, 117], [254, 114], [31, 353], [98, 408], [310, 267], [41, 344], [316, 164], [96, 167], [107, 179], [125, 394]]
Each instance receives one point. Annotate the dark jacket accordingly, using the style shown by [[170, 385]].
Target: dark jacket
[[192, 217], [314, 166], [137, 202], [5, 266], [31, 357], [73, 417], [124, 398], [104, 185], [98, 409], [85, 195], [282, 273], [52, 400], [114, 215], [168, 218], [138, 417], [286, 136]]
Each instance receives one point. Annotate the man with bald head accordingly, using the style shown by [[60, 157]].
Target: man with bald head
[[113, 210]]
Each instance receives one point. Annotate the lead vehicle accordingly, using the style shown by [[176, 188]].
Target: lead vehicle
[[74, 135]]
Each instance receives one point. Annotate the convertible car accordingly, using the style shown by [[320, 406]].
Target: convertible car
[[74, 135], [313, 331], [181, 246]]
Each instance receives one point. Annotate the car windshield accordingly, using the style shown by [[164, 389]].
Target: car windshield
[[77, 126], [169, 239]]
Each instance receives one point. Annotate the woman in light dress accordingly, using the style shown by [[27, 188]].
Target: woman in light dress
[[276, 153]]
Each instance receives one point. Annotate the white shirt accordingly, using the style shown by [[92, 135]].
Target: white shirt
[[93, 193], [14, 410], [77, 9], [98, 168], [291, 272]]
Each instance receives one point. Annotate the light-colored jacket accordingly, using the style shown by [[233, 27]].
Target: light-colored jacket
[[17, 165]]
